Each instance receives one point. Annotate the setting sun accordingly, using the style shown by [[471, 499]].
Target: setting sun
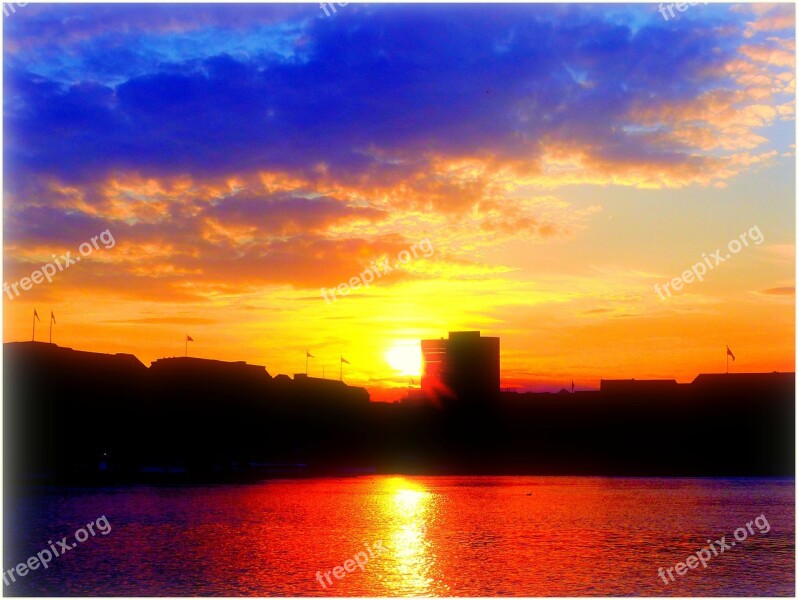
[[405, 357]]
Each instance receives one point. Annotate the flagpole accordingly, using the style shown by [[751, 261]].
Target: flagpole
[[727, 359], [341, 364], [33, 337], [306, 363], [51, 326], [186, 346]]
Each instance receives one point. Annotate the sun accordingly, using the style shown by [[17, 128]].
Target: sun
[[405, 357]]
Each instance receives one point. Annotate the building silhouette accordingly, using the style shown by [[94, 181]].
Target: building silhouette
[[71, 417], [464, 367], [638, 386]]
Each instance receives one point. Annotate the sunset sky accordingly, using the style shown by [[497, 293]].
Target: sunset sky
[[560, 159]]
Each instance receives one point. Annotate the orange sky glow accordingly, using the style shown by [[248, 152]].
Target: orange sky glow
[[550, 209]]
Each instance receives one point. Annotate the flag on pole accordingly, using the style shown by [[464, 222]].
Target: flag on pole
[[188, 339], [308, 355], [52, 317], [572, 386], [343, 360], [35, 318], [729, 353]]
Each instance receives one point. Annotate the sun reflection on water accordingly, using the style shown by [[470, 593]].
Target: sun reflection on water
[[408, 508]]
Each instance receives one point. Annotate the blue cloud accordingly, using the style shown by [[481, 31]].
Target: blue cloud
[[402, 82]]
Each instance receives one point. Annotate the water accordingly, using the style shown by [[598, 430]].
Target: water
[[442, 536]]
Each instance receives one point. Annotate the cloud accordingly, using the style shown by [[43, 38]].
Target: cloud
[[780, 291], [598, 311], [167, 321], [380, 98], [42, 29], [770, 17], [232, 149], [285, 215]]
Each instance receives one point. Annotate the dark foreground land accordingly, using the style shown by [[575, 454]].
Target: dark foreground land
[[77, 417]]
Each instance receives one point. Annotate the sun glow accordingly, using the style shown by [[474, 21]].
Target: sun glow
[[405, 358]]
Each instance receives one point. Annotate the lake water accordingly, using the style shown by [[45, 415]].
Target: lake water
[[441, 536]]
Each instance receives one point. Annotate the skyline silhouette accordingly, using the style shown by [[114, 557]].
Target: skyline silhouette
[[415, 381], [214, 420]]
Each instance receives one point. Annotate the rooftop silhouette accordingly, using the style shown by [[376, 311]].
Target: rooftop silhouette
[[73, 416]]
